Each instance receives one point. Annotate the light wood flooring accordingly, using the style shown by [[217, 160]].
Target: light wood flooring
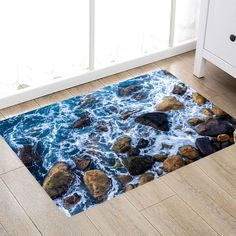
[[199, 199]]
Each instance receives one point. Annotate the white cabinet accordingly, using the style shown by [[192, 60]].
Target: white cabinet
[[217, 36]]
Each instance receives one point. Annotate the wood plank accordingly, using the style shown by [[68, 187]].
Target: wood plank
[[149, 194], [53, 98], [81, 89], [8, 159], [174, 217], [109, 80], [221, 168], [19, 109], [42, 210], [119, 217], [205, 197], [144, 69], [12, 216]]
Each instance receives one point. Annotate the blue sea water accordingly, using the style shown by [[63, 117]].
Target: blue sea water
[[50, 130]]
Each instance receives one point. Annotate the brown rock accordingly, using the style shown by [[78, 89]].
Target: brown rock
[[194, 121], [124, 179], [84, 121], [173, 163], [218, 112], [223, 137], [206, 112], [102, 126], [58, 180], [70, 201], [82, 164], [129, 187], [189, 152], [127, 114], [122, 144], [145, 178], [169, 103], [97, 183], [199, 99]]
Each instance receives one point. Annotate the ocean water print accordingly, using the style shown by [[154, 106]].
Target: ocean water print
[[89, 149]]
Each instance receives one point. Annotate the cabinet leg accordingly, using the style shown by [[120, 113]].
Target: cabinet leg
[[199, 66]]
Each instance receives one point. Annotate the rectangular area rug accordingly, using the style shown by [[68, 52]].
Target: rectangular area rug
[[89, 149]]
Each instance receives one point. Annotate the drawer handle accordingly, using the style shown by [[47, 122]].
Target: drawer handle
[[232, 37]]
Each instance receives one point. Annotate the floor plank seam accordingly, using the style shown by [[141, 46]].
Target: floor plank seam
[[93, 223], [21, 207], [217, 184], [192, 209], [6, 172], [4, 228]]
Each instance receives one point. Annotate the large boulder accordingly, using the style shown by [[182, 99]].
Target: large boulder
[[169, 103], [173, 163], [122, 144], [127, 91], [137, 165], [58, 180], [97, 183], [214, 127], [189, 152], [204, 145], [29, 156], [156, 120]]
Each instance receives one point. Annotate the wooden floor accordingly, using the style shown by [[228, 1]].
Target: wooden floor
[[199, 199]]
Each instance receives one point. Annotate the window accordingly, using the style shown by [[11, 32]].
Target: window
[[48, 40]]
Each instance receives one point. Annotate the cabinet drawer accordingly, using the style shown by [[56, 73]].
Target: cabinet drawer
[[220, 25]]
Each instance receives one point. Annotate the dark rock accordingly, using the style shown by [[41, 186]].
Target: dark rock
[[140, 96], [214, 127], [159, 171], [137, 165], [142, 143], [173, 163], [204, 145], [179, 89], [189, 152], [133, 152], [122, 144], [124, 179], [225, 145], [156, 120], [58, 180], [127, 114], [102, 126], [145, 178], [82, 164], [84, 121], [97, 183], [166, 146], [70, 201], [127, 91], [87, 100], [29, 156]]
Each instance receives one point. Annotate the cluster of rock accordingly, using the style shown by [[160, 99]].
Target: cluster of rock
[[215, 128]]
